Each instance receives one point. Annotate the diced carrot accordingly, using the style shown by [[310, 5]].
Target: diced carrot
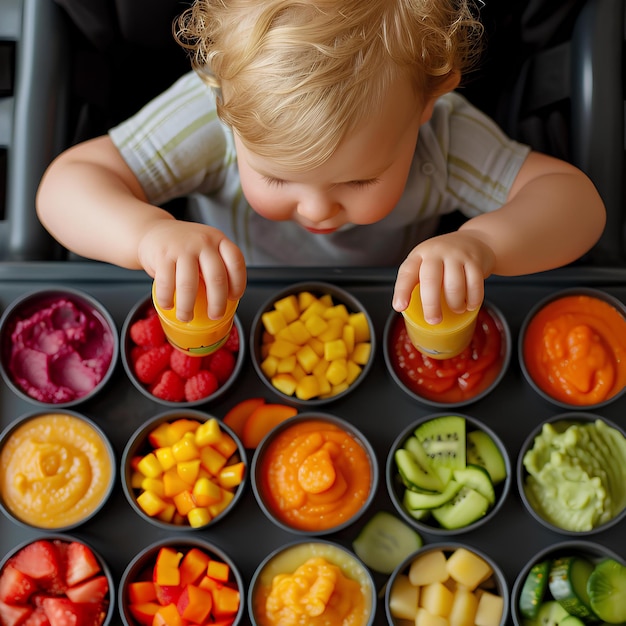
[[166, 570], [144, 612], [141, 591], [193, 566], [262, 420], [239, 414], [218, 570], [167, 616]]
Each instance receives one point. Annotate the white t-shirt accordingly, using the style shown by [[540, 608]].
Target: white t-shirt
[[177, 146]]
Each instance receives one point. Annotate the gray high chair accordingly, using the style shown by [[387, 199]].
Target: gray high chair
[[69, 69]]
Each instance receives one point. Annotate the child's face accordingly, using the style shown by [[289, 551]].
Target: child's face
[[360, 184]]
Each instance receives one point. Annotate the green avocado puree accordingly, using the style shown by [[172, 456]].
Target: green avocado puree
[[577, 474]]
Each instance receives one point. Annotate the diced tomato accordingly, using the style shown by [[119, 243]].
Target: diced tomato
[[92, 590], [15, 586], [81, 563], [37, 618]]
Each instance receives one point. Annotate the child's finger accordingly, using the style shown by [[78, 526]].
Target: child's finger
[[455, 288], [431, 278], [187, 277], [406, 281], [236, 268], [475, 283], [165, 283]]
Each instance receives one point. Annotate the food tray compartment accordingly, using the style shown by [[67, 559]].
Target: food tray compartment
[[379, 409]]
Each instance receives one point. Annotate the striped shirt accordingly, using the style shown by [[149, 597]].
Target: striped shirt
[[177, 146]]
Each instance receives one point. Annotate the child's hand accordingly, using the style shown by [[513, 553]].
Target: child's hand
[[176, 253], [456, 263]]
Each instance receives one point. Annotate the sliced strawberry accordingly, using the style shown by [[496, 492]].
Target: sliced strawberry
[[13, 615], [37, 618], [92, 590], [64, 612], [81, 563], [40, 561], [15, 586]]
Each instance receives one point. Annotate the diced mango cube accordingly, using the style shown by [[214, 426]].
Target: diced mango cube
[[173, 484], [225, 500], [361, 353], [307, 387], [198, 516], [188, 470], [225, 445], [269, 366], [335, 349], [361, 326], [212, 460], [273, 321], [286, 335], [150, 503], [155, 485], [316, 325], [324, 385], [348, 336], [354, 371], [165, 457], [184, 502], [289, 307], [299, 332], [305, 299], [149, 466], [307, 358], [298, 372], [326, 299], [206, 492], [337, 371], [334, 330], [185, 449], [317, 345], [286, 365], [285, 383], [208, 432], [232, 475], [338, 310], [281, 348], [315, 308]]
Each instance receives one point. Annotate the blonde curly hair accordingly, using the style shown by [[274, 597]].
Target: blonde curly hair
[[294, 77]]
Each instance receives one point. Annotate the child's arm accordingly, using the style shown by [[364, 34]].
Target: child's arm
[[553, 215], [92, 203]]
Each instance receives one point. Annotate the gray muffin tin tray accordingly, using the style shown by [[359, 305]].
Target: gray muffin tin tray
[[378, 407]]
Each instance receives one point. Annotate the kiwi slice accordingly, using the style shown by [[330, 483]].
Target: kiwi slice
[[551, 613], [443, 439], [464, 509], [607, 591], [482, 450]]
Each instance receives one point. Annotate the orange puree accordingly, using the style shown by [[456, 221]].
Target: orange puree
[[316, 593], [315, 475], [55, 471], [575, 350]]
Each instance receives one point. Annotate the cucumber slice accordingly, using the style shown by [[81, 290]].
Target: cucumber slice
[[477, 478], [568, 585], [385, 541], [418, 501], [443, 438], [482, 450], [607, 591], [534, 589], [415, 473], [465, 508]]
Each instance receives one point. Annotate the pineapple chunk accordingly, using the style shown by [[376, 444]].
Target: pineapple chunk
[[463, 608], [489, 610], [436, 598], [429, 568], [424, 618], [403, 598], [468, 568]]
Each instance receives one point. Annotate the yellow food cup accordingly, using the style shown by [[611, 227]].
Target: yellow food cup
[[201, 335], [439, 341]]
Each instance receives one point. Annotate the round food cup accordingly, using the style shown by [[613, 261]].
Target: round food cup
[[572, 349], [334, 464], [448, 578], [184, 470], [58, 347], [57, 470], [209, 584], [457, 381], [312, 343], [311, 559], [170, 376], [200, 336], [532, 601], [448, 474], [85, 594], [569, 497], [444, 340]]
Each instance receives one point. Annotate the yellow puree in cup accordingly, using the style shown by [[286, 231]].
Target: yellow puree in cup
[[55, 471], [312, 585]]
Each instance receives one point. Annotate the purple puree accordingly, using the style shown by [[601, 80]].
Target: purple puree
[[60, 353]]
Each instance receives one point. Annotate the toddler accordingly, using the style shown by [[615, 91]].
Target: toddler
[[322, 133]]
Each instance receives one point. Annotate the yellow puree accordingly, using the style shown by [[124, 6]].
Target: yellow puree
[[54, 471], [317, 593]]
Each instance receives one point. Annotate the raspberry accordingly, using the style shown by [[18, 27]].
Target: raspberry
[[232, 343], [152, 362], [147, 332], [169, 386], [222, 364], [203, 384], [185, 365]]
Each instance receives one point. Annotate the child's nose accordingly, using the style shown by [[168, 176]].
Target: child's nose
[[318, 208]]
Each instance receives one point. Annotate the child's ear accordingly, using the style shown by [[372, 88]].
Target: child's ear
[[450, 83]]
